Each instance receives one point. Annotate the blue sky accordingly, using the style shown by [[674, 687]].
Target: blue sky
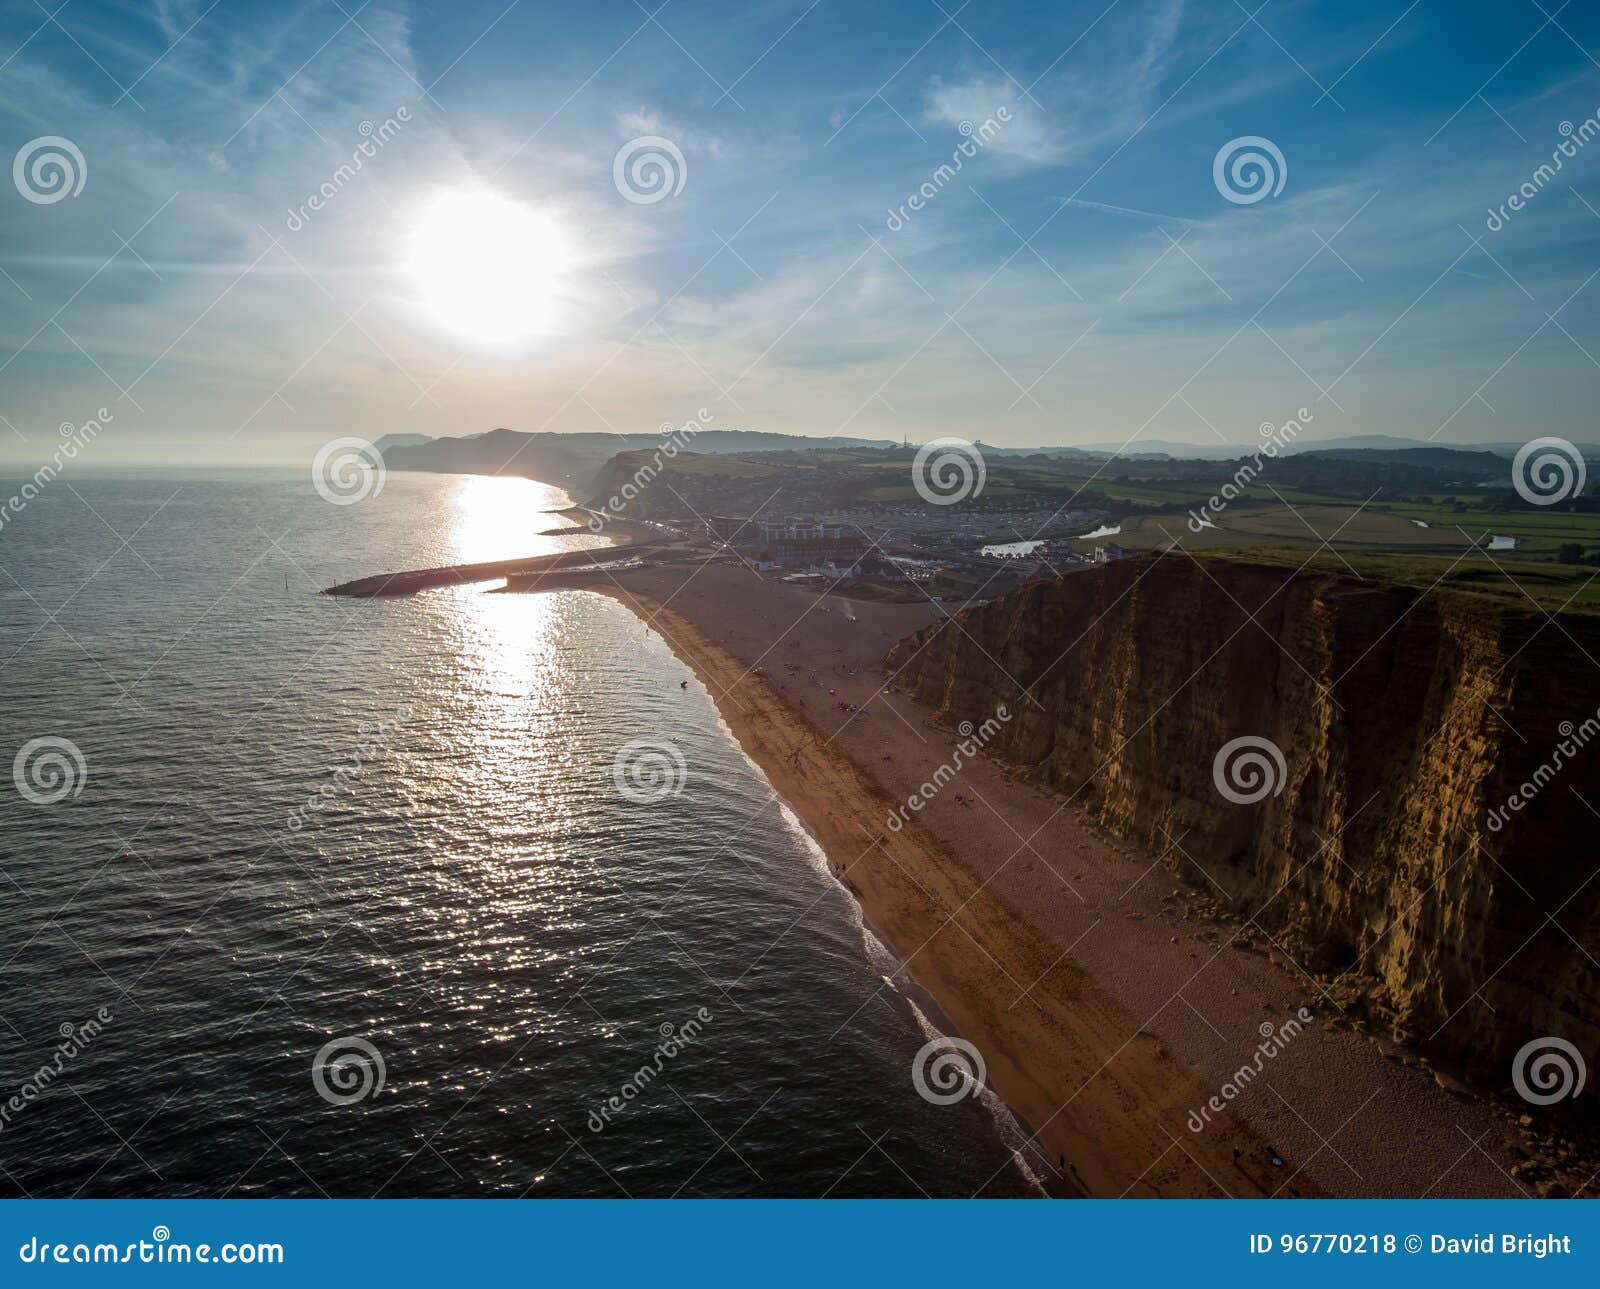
[[1081, 279]]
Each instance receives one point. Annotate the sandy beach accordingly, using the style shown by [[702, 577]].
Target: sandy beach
[[1109, 1012]]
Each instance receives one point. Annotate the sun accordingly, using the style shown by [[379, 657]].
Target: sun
[[487, 268]]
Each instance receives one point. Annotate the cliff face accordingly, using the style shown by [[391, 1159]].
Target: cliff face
[[1391, 858]]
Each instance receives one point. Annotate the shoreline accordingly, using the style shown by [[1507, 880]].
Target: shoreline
[[928, 1015], [925, 1010], [1080, 1076]]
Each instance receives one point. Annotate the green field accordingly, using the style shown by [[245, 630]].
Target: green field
[[1415, 532], [1344, 527], [1525, 584], [1420, 519], [1390, 547], [734, 467]]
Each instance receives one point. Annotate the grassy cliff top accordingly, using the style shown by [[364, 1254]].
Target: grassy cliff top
[[1518, 583]]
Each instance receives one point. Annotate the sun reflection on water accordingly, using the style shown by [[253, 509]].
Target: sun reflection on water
[[499, 517], [512, 688]]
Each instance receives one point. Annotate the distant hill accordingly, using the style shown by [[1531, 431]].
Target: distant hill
[[1458, 461], [1143, 449], [401, 441], [1375, 443], [572, 460], [989, 449], [1147, 448]]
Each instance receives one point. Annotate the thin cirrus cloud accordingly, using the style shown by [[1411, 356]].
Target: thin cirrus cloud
[[1030, 135]]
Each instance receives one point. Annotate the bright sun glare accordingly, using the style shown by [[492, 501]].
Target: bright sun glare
[[486, 267]]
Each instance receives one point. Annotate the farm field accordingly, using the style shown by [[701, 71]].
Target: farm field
[[1529, 584]]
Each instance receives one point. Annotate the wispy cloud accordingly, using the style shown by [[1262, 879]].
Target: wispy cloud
[[757, 284], [644, 121], [1031, 135]]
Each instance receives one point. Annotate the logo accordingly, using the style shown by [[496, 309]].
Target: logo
[[947, 1069], [347, 470], [348, 1070], [649, 169], [48, 770], [1546, 471], [1248, 169], [1547, 1070], [1247, 769], [649, 769], [947, 471], [49, 169]]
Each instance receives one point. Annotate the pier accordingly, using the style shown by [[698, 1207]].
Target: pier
[[527, 569]]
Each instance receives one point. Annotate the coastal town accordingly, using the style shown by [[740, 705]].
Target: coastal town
[[883, 555], [834, 519], [870, 520]]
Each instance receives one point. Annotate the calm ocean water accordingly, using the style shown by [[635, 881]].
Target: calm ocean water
[[473, 910]]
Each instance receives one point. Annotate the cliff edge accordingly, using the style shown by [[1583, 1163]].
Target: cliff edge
[[1424, 850]]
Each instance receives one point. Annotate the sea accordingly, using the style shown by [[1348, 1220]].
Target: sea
[[458, 894]]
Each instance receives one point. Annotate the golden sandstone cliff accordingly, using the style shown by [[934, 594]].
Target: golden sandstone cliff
[[1431, 841]]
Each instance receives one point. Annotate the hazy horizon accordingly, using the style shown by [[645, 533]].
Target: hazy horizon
[[109, 455]]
